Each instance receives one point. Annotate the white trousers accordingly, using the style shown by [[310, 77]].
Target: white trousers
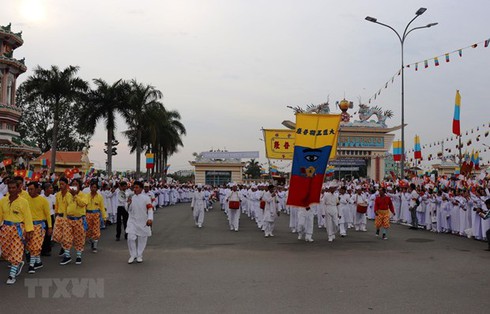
[[305, 223], [293, 218], [331, 222], [360, 221], [136, 245], [198, 216], [234, 218], [268, 227]]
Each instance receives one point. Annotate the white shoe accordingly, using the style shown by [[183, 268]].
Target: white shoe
[[309, 240], [293, 231], [271, 235], [236, 229], [199, 226], [10, 280], [300, 237], [131, 260], [330, 240], [139, 259]]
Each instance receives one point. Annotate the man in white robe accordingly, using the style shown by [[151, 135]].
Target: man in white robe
[[331, 212], [198, 206], [139, 224]]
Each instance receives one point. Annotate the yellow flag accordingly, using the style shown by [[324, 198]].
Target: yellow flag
[[279, 144]]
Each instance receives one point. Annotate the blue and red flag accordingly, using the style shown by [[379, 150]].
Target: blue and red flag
[[315, 138], [457, 108]]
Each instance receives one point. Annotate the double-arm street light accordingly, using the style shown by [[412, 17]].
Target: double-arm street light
[[402, 41]]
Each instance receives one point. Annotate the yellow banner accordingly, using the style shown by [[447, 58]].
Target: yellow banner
[[279, 144], [317, 130]]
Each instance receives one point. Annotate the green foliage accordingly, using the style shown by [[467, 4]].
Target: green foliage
[[252, 169], [36, 123]]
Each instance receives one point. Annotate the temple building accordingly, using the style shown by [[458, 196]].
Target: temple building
[[11, 145]]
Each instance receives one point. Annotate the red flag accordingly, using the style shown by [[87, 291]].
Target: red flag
[[7, 162]]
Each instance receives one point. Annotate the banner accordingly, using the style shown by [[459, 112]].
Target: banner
[[315, 137], [150, 161], [457, 108], [279, 144], [417, 149], [397, 150]]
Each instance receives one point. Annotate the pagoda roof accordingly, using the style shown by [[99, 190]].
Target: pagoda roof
[[15, 39], [68, 157]]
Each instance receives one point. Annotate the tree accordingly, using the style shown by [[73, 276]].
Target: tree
[[59, 91], [253, 169], [142, 102], [36, 124], [103, 103]]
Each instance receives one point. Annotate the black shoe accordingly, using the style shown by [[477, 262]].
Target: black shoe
[[62, 252], [65, 260], [412, 228], [117, 239], [31, 270], [38, 265], [78, 261], [46, 254]]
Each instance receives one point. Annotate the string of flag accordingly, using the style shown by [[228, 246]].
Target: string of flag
[[426, 62]]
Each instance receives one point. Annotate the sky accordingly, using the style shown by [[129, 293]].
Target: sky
[[230, 67]]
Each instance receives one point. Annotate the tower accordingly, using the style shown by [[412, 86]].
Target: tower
[[11, 144]]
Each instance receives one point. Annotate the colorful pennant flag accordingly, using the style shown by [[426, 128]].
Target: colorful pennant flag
[[486, 43], [447, 57], [457, 108], [436, 61], [397, 150], [426, 64], [44, 162], [150, 161], [417, 149], [316, 136]]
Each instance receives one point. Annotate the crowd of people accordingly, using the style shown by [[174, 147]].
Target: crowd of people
[[445, 206], [71, 212]]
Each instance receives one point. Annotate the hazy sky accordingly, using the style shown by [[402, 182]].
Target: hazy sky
[[231, 67]]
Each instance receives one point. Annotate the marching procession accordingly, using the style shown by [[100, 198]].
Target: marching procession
[[72, 212]]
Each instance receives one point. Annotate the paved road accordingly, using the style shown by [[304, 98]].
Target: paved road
[[214, 270]]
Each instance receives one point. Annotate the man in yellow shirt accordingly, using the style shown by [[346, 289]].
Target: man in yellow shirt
[[41, 220], [63, 199], [75, 227], [17, 222], [96, 215]]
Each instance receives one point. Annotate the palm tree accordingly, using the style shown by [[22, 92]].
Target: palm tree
[[104, 103], [58, 88], [142, 102], [170, 136]]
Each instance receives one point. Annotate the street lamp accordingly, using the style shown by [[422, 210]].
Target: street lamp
[[402, 41]]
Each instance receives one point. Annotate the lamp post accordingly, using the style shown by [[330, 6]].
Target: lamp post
[[402, 41]]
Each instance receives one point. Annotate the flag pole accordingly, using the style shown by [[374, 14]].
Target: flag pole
[[460, 155]]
